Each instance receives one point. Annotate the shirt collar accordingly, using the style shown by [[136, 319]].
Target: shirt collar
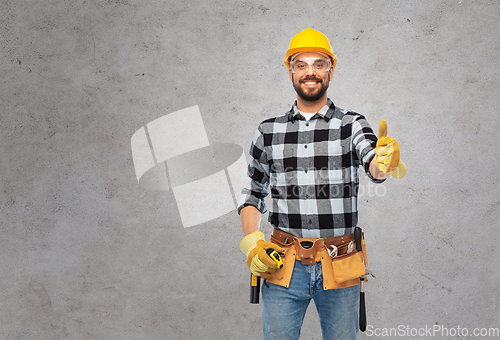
[[326, 112]]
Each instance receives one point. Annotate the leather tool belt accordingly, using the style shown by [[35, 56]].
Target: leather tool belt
[[341, 264]]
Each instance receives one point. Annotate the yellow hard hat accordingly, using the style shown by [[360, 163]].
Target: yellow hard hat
[[309, 40]]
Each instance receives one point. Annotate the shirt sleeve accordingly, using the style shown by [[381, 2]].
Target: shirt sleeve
[[256, 188], [364, 141]]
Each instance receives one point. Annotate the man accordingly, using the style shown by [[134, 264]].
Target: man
[[308, 160]]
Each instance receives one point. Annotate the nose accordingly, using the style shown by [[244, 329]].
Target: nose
[[310, 70]]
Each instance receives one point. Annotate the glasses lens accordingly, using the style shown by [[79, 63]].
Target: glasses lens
[[300, 66], [319, 65]]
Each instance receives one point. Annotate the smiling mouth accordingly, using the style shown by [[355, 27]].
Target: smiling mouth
[[311, 82]]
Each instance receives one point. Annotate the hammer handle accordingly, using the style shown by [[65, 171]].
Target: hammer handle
[[254, 289], [362, 312], [358, 235]]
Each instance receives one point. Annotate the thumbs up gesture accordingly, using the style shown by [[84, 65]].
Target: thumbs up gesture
[[387, 153]]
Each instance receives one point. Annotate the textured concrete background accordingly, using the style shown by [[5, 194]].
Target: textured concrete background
[[86, 253]]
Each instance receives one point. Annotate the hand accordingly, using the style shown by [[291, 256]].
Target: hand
[[254, 247], [387, 153]]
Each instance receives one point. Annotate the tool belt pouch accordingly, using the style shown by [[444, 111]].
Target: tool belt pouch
[[283, 276], [347, 267], [344, 270]]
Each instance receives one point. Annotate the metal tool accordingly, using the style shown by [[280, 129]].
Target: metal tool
[[362, 306], [350, 247], [334, 252], [358, 237]]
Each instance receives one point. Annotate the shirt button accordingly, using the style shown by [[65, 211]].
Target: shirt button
[[307, 196], [305, 171], [305, 146], [310, 222], [307, 124]]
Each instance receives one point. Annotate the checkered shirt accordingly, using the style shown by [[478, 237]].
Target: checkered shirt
[[311, 169]]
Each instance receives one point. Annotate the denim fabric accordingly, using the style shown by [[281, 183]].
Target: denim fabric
[[284, 308]]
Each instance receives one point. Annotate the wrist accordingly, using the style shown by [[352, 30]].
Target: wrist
[[375, 171]]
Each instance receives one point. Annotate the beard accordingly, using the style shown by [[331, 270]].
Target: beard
[[311, 95]]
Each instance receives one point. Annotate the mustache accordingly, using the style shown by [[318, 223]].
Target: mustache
[[311, 78]]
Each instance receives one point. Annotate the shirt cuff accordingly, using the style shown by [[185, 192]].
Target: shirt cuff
[[261, 207]]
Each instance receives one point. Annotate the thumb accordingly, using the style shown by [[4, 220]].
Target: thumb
[[382, 129]]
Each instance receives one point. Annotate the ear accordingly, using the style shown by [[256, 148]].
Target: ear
[[331, 73], [290, 74]]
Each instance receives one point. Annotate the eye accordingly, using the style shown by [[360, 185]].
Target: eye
[[300, 65], [319, 65]]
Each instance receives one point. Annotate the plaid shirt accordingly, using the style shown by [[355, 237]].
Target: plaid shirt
[[311, 168]]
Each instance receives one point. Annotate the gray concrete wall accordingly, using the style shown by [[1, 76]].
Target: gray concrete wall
[[89, 252]]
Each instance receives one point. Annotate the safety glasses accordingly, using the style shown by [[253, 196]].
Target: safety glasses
[[318, 65]]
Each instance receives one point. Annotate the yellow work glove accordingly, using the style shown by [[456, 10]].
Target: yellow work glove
[[254, 246], [387, 153]]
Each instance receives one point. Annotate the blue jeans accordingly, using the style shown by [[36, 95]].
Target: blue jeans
[[284, 308]]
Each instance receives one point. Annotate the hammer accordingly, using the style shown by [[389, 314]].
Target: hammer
[[362, 306]]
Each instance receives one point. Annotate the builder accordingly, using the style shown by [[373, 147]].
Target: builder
[[308, 159]]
